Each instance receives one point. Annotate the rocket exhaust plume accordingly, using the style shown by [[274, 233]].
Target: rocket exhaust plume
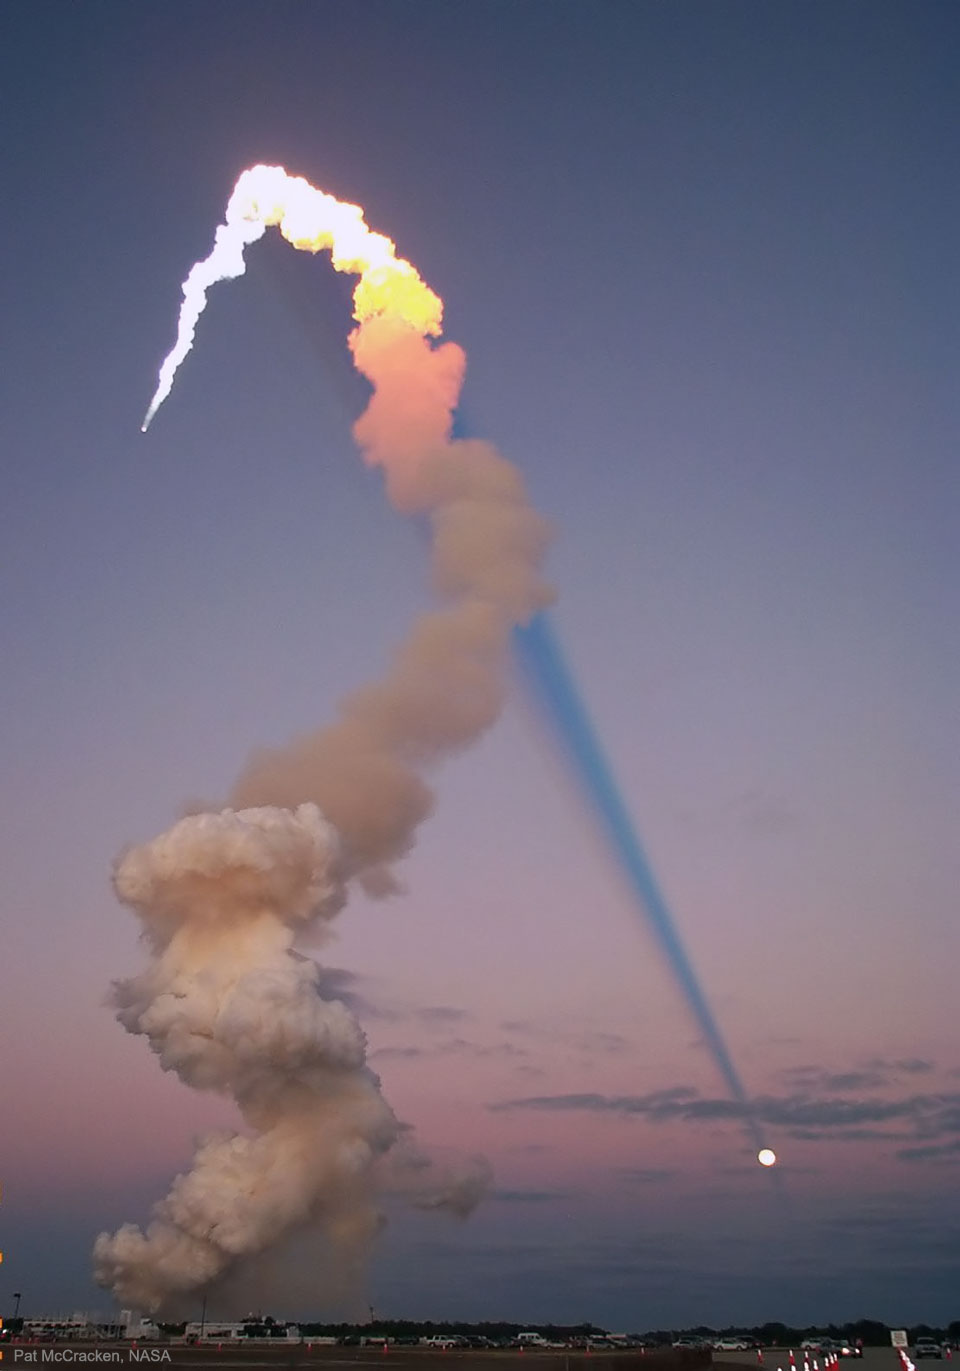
[[311, 220], [226, 1001]]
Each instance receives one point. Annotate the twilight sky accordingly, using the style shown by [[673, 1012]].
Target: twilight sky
[[702, 258]]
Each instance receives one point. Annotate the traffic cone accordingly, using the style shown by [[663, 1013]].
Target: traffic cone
[[760, 1355]]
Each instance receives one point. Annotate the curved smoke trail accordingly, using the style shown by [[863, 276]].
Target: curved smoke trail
[[226, 1002]]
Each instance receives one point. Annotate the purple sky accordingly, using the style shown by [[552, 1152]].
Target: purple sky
[[702, 259]]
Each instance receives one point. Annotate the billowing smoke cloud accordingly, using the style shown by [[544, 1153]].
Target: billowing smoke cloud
[[229, 1006], [226, 1001]]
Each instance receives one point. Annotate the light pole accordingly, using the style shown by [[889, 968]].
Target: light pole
[[203, 1316]]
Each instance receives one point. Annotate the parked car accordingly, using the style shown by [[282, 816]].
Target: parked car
[[926, 1347], [731, 1345]]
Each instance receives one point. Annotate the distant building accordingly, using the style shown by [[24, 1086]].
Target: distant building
[[211, 1329], [89, 1327], [215, 1330], [136, 1327], [63, 1328]]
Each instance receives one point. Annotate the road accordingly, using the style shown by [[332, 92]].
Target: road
[[778, 1359]]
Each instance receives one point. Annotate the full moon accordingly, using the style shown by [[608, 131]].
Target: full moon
[[766, 1157]]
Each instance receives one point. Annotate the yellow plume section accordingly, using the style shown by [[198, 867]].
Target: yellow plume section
[[389, 286]]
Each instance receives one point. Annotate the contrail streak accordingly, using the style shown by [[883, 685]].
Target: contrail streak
[[542, 658]]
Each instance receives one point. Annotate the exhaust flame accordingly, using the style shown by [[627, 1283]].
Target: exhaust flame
[[227, 1002], [310, 220]]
